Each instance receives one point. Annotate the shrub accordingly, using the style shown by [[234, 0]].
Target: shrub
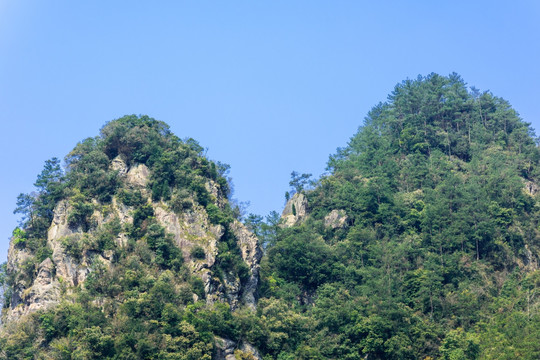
[[197, 252], [73, 246], [81, 211], [19, 237]]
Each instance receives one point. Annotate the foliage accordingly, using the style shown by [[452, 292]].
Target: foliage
[[18, 236], [435, 259], [138, 300], [197, 252], [81, 211], [437, 219], [299, 182]]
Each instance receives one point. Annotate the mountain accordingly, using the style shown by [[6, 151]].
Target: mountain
[[129, 252], [420, 242]]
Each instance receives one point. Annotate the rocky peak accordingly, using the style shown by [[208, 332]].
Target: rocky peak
[[139, 226], [295, 210], [191, 230]]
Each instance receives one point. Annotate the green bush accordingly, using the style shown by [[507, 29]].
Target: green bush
[[197, 252], [131, 197], [19, 237], [73, 246], [81, 211]]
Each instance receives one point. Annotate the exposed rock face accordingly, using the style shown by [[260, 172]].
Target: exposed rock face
[[44, 291], [227, 349], [213, 189], [63, 270], [224, 349], [191, 228], [66, 269], [16, 258], [249, 349], [336, 219], [138, 175], [118, 164], [59, 227], [252, 254], [295, 210]]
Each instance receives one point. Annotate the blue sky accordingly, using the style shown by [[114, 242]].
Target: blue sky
[[268, 86]]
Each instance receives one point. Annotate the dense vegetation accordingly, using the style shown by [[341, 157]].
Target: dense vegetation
[[143, 304], [437, 257]]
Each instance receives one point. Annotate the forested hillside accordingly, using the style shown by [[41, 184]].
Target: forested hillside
[[420, 242]]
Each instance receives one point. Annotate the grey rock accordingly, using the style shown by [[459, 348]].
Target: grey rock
[[65, 271], [251, 254], [138, 175], [118, 164], [250, 349], [225, 349], [295, 210], [336, 219]]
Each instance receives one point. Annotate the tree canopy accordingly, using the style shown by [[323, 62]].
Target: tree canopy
[[421, 242]]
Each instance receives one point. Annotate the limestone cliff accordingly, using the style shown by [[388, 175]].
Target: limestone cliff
[[65, 270], [132, 250]]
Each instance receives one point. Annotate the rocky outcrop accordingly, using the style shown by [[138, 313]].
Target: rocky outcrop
[[43, 292], [248, 349], [217, 196], [295, 210], [193, 229], [119, 164], [226, 349], [61, 270], [336, 219], [73, 271], [59, 226], [68, 268], [138, 175], [251, 254]]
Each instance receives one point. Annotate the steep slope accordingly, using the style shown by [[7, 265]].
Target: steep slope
[[423, 241], [134, 252]]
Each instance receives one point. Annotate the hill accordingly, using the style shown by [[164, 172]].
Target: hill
[[133, 252], [421, 242]]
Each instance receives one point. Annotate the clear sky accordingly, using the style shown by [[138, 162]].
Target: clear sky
[[267, 86]]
